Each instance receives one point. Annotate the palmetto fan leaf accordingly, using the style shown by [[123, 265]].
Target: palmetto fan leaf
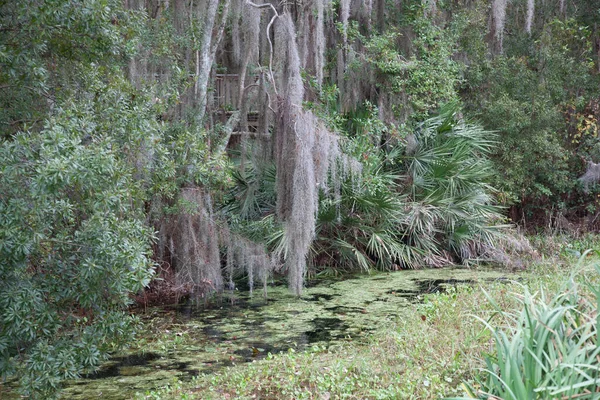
[[452, 199], [434, 206], [252, 195]]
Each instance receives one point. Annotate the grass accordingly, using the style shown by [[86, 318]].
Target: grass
[[439, 351], [426, 356], [547, 347]]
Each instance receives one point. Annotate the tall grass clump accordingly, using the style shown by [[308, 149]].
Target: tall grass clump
[[547, 349]]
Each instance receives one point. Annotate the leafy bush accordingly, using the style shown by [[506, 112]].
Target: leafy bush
[[73, 247], [417, 75], [448, 183], [426, 205], [546, 123]]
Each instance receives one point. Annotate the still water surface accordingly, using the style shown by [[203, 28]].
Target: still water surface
[[182, 342]]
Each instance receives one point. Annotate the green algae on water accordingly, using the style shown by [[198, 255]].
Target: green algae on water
[[192, 340]]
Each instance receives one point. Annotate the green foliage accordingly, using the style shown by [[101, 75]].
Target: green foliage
[[73, 249], [89, 157], [431, 207], [547, 349], [360, 229], [539, 167], [252, 195], [80, 155], [424, 76], [545, 122], [41, 41], [449, 177]]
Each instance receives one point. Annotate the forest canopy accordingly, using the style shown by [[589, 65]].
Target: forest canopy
[[208, 141]]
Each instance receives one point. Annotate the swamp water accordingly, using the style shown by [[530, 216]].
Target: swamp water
[[188, 341]]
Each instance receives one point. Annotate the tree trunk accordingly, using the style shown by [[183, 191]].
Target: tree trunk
[[205, 58]]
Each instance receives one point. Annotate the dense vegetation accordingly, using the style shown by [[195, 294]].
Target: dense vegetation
[[210, 141], [538, 344]]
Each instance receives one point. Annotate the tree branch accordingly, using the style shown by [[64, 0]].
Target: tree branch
[[268, 5]]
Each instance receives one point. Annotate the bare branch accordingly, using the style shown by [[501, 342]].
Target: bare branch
[[268, 5], [37, 91]]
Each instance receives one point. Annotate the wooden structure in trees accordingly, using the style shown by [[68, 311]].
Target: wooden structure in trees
[[227, 100]]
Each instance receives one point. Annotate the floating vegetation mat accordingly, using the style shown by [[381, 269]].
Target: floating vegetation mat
[[191, 339]]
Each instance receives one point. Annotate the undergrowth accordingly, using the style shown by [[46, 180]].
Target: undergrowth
[[546, 347], [439, 351]]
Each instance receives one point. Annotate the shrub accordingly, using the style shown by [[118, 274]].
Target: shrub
[[427, 204], [72, 248]]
